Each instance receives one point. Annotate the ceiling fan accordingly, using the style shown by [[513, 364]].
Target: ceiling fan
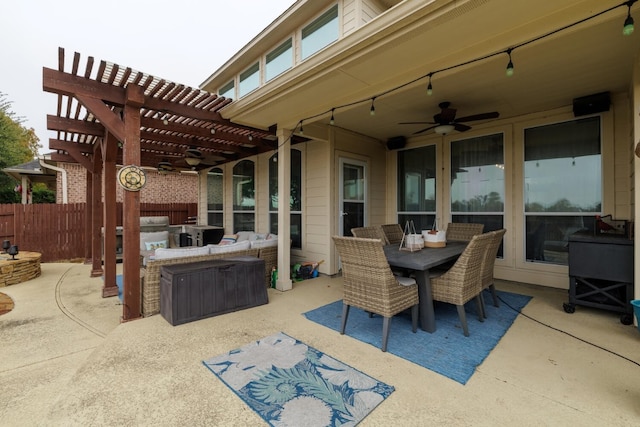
[[193, 159], [445, 121]]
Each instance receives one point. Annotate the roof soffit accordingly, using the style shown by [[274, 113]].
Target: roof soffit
[[358, 66]]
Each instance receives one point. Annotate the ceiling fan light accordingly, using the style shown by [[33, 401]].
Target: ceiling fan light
[[192, 161], [165, 166], [443, 129]]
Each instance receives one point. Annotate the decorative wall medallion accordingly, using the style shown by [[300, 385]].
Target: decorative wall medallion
[[132, 178]]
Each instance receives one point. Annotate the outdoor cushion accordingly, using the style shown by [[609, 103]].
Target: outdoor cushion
[[238, 246], [264, 243], [164, 253]]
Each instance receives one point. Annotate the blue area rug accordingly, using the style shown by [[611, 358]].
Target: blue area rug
[[289, 383], [119, 283], [447, 351]]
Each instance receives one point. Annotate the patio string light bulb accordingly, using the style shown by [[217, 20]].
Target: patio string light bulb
[[627, 29], [430, 86], [509, 65], [372, 110]]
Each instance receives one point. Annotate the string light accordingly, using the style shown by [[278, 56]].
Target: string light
[[510, 64], [627, 30], [301, 130], [332, 121]]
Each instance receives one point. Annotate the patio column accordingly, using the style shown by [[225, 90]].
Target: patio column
[[96, 215], [88, 216], [109, 152], [131, 207], [284, 210], [24, 193]]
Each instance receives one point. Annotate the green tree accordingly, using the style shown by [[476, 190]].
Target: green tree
[[17, 144]]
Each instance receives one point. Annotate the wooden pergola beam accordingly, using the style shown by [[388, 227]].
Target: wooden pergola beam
[[68, 84]]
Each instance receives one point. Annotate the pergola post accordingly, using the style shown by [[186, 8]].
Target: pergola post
[[96, 216], [109, 151], [88, 216], [131, 207]]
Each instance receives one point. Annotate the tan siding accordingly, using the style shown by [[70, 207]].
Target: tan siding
[[316, 210], [623, 167], [349, 16], [370, 9]]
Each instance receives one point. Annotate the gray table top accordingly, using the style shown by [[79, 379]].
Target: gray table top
[[425, 258]]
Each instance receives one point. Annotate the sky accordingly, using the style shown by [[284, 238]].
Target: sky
[[183, 41]]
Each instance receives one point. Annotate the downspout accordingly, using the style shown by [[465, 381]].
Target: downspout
[[63, 173]]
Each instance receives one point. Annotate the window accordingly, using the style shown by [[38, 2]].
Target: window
[[320, 33], [249, 80], [562, 186], [279, 60], [228, 90], [215, 197], [417, 187], [477, 181], [244, 196], [295, 202]]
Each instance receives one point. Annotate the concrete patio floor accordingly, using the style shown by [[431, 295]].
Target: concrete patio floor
[[66, 360]]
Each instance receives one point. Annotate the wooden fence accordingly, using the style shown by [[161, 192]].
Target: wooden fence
[[58, 231]]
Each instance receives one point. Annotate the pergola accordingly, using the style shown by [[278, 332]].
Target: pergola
[[118, 116]]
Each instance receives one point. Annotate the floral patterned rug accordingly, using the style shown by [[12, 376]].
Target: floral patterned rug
[[289, 383]]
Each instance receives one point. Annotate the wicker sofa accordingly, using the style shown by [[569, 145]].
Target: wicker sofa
[[150, 273]]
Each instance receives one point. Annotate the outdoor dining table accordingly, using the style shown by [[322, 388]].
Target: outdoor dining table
[[421, 261]]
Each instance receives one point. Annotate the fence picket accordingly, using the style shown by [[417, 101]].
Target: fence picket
[[57, 231]]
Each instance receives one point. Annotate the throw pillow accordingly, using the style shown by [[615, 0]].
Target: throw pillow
[[243, 235], [151, 246], [152, 236], [227, 239]]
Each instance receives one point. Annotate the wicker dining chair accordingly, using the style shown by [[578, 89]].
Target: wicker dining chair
[[393, 232], [370, 232], [370, 285], [463, 282], [462, 231], [488, 264]]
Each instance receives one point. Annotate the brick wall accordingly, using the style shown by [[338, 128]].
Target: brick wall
[[168, 188]]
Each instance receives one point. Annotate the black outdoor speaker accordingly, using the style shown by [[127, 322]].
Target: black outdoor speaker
[[396, 142], [591, 104]]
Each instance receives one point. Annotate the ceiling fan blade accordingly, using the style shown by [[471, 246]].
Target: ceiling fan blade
[[482, 116], [460, 127], [425, 129]]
